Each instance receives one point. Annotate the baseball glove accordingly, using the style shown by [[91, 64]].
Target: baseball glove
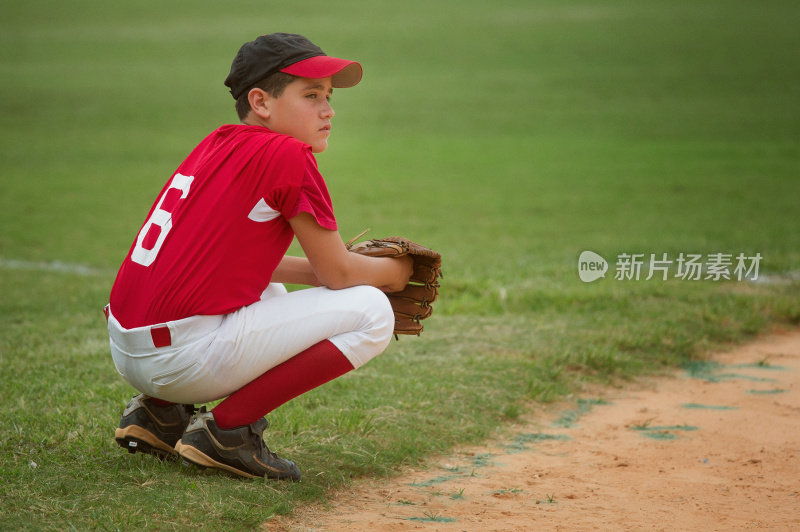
[[413, 303]]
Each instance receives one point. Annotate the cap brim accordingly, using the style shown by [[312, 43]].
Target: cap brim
[[343, 73]]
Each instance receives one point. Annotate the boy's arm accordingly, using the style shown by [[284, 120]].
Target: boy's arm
[[295, 270], [336, 268]]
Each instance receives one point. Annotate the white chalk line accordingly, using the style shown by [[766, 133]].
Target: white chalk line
[[87, 271], [779, 278], [56, 266]]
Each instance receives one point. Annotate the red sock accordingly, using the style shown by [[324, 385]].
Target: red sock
[[160, 402], [305, 371]]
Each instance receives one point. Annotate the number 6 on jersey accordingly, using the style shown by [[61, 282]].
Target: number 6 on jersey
[[157, 227]]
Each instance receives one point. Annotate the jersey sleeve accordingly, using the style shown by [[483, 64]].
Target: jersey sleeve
[[314, 197], [291, 182]]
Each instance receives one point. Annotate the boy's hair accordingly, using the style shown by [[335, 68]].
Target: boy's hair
[[274, 85]]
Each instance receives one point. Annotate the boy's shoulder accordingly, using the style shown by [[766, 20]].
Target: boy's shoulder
[[259, 135], [239, 143]]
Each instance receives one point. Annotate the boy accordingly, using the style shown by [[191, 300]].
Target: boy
[[197, 312]]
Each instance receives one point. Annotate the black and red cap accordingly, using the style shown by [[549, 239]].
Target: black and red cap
[[292, 54]]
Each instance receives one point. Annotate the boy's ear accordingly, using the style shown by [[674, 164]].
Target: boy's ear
[[259, 103]]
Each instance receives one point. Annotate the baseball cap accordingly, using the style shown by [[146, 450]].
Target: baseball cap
[[289, 53]]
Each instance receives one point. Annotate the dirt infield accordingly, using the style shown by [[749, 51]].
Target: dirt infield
[[717, 447]]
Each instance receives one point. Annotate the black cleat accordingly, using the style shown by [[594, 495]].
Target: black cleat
[[149, 428], [240, 451]]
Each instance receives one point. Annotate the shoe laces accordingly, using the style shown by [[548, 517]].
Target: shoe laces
[[259, 441]]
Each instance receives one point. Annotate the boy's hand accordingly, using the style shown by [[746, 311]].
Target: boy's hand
[[405, 271], [411, 301]]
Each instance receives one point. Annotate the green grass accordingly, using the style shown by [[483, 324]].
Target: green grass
[[511, 136]]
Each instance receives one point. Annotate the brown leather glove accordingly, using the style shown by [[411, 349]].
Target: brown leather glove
[[413, 303]]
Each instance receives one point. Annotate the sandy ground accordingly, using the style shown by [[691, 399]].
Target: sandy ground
[[717, 447]]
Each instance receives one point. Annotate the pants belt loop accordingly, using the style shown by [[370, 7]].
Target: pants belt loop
[[161, 336]]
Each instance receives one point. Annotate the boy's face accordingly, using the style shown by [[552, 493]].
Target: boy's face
[[303, 111]]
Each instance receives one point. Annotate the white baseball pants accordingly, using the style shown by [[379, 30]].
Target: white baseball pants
[[209, 357]]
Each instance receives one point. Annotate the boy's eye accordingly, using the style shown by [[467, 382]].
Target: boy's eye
[[314, 96]]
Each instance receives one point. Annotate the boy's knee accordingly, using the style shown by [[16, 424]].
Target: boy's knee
[[375, 333], [378, 310], [274, 290]]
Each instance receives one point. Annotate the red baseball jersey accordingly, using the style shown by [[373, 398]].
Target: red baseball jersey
[[219, 227]]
